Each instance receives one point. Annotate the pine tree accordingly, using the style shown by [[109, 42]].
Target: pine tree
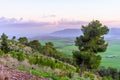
[[4, 43], [89, 44]]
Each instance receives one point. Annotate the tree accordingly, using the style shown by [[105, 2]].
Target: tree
[[23, 40], [89, 44], [49, 49], [35, 44], [13, 38], [4, 43], [109, 72]]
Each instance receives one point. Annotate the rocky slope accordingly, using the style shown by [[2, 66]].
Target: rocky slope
[[9, 74]]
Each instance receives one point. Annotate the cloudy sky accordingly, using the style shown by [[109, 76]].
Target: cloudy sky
[[31, 17]]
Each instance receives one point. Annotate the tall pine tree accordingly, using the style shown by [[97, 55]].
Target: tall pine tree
[[89, 44]]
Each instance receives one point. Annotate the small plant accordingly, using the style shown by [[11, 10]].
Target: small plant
[[89, 76], [13, 54], [20, 56], [70, 74], [1, 52]]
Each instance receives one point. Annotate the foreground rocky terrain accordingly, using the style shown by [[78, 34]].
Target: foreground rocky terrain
[[8, 74]]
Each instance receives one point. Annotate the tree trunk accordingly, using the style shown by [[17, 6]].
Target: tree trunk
[[82, 68]]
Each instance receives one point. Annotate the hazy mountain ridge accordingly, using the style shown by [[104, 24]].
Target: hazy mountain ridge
[[72, 33], [67, 33], [113, 32]]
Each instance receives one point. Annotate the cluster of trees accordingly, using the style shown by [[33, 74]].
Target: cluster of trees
[[89, 44], [109, 73], [48, 49]]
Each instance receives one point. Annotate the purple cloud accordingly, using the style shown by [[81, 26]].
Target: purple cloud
[[19, 27], [72, 22], [49, 16]]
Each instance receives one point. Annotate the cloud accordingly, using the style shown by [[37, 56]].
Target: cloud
[[6, 20], [112, 23], [20, 23], [48, 16], [19, 27], [71, 22], [13, 22], [30, 24]]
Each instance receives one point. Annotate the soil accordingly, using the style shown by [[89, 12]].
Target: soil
[[8, 74]]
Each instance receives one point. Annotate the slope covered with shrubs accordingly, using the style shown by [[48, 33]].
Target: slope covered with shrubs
[[46, 61]]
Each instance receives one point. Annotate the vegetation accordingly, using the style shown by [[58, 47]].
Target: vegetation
[[23, 40], [89, 44], [111, 73], [38, 55], [35, 44], [110, 58], [4, 43]]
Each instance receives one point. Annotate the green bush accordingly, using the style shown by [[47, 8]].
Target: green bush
[[104, 78], [64, 78], [14, 54], [20, 56], [1, 52], [89, 76], [109, 72], [78, 70], [70, 74]]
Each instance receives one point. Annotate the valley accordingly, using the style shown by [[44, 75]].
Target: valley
[[110, 58]]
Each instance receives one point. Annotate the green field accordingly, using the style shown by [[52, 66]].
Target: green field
[[109, 58]]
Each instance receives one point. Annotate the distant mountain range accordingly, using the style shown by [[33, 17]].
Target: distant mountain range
[[113, 32], [69, 33]]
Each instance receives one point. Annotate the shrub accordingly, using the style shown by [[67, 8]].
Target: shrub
[[14, 54], [64, 78], [109, 72], [20, 56], [70, 74], [1, 52], [89, 76], [78, 70]]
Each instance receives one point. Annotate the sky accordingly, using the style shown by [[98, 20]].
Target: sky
[[41, 16]]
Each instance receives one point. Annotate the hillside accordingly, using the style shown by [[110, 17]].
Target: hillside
[[23, 59]]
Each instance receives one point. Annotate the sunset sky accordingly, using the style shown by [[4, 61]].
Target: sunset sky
[[41, 16]]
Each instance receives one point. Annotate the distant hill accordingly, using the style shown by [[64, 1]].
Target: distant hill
[[67, 33], [70, 33], [113, 33]]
